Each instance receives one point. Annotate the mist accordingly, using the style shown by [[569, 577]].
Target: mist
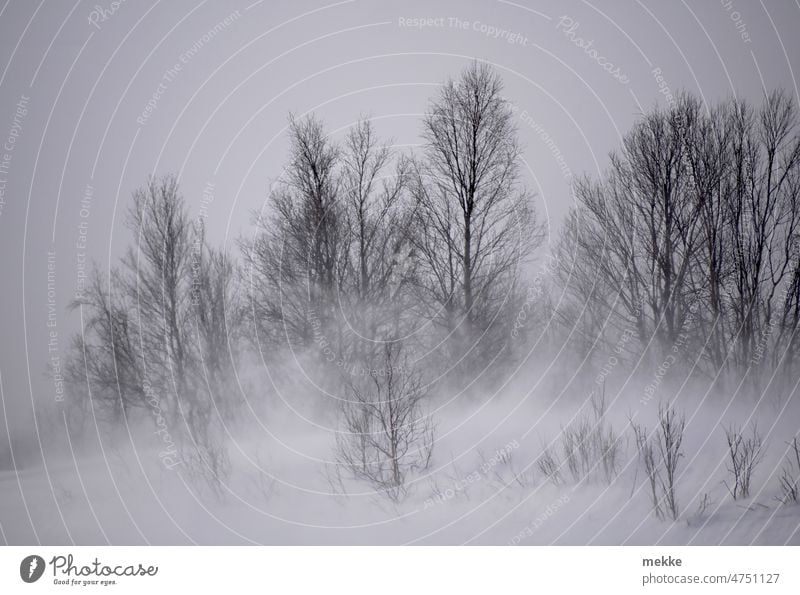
[[331, 274]]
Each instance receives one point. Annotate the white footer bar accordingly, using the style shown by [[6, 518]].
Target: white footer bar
[[404, 571]]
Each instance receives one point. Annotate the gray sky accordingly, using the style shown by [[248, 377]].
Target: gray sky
[[103, 105]]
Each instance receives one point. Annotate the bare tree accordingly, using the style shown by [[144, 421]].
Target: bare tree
[[745, 455], [790, 474], [374, 193], [294, 263], [660, 455], [708, 138], [157, 274], [217, 323], [588, 308], [474, 219], [180, 291], [157, 326], [637, 230], [763, 200], [387, 434], [377, 222], [133, 321], [104, 362]]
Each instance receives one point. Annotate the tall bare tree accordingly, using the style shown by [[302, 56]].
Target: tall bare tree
[[378, 217], [165, 319], [763, 202], [217, 323], [373, 183], [104, 361], [474, 218], [294, 261], [640, 226], [157, 271]]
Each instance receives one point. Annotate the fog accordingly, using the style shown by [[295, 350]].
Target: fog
[[462, 272]]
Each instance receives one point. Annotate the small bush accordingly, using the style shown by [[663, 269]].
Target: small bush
[[745, 454], [548, 465], [578, 445], [386, 432], [701, 514], [790, 475], [591, 446], [660, 455]]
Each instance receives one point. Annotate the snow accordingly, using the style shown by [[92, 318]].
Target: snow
[[483, 486]]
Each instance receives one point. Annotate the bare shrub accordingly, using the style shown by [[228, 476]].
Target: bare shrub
[[608, 444], [660, 455], [577, 443], [503, 468], [590, 445], [548, 465], [745, 454], [386, 434], [790, 475], [701, 514], [648, 458], [610, 451]]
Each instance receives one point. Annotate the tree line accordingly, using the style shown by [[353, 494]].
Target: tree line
[[365, 257], [395, 273], [692, 239]]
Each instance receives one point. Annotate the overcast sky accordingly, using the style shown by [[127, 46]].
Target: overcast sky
[[96, 98]]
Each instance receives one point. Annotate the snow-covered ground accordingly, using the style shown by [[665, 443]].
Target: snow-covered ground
[[483, 486]]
